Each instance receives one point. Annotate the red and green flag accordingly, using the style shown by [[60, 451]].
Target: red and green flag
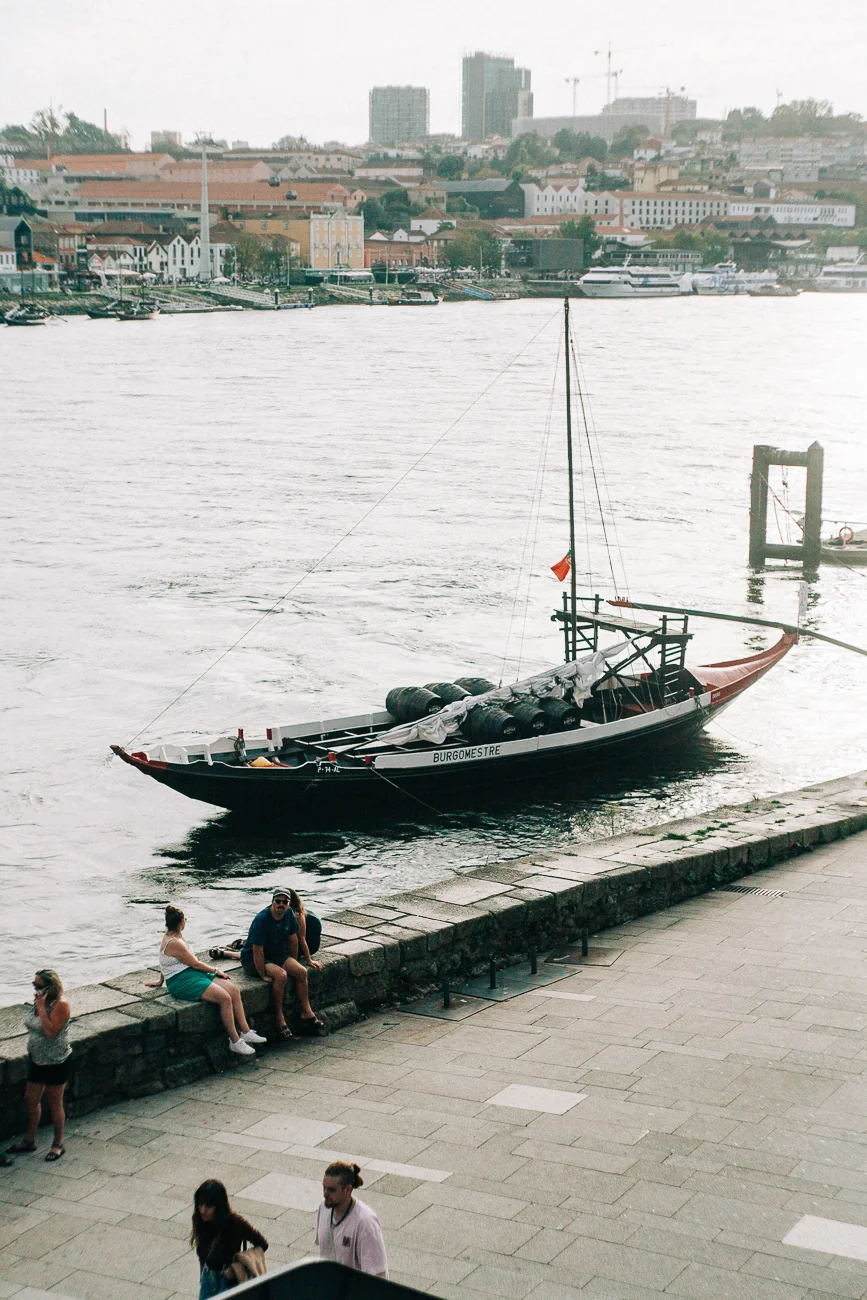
[[562, 567]]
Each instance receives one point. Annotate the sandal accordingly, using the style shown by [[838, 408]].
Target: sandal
[[285, 1033], [54, 1154], [21, 1148], [311, 1026]]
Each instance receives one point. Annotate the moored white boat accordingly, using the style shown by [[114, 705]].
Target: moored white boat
[[843, 277], [633, 282]]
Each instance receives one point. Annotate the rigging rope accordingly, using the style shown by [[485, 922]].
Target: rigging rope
[[580, 389], [343, 537]]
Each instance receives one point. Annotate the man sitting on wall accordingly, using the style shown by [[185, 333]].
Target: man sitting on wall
[[266, 954]]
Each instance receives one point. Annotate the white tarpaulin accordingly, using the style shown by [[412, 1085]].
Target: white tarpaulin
[[580, 676]]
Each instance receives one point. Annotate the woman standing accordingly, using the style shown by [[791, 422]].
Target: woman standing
[[49, 1051], [190, 980], [218, 1235]]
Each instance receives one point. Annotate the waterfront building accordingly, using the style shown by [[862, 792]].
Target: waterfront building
[[156, 200], [399, 113], [381, 251], [335, 239], [497, 197], [638, 209], [796, 214], [494, 93]]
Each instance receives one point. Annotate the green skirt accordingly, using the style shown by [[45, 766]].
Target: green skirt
[[189, 985]]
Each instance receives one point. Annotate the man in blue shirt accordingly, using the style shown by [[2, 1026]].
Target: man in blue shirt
[[266, 954]]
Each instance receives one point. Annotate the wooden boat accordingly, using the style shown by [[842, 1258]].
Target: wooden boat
[[144, 309], [415, 298], [27, 314], [107, 311], [640, 692]]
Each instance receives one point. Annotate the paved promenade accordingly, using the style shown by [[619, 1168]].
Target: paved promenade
[[685, 1115]]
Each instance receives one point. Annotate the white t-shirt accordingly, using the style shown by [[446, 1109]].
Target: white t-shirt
[[356, 1240]]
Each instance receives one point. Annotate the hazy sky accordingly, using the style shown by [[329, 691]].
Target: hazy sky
[[260, 70]]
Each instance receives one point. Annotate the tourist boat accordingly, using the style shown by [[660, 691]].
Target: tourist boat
[[633, 282], [604, 701], [723, 279], [843, 277], [27, 314]]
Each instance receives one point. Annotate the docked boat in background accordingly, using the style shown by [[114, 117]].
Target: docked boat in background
[[843, 277], [725, 280], [138, 309], [774, 290], [415, 298], [107, 312], [633, 282], [28, 313]]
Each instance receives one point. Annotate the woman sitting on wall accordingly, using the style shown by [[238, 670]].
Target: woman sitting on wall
[[191, 980]]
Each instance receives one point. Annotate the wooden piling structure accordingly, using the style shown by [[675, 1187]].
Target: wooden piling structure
[[809, 551]]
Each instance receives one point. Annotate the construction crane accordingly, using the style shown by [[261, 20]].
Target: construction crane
[[609, 71], [574, 83]]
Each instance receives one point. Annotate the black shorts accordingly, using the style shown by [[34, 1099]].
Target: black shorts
[[50, 1075]]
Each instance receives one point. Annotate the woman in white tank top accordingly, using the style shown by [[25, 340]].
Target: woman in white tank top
[[189, 979]]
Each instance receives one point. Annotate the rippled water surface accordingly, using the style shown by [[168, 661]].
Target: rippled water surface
[[163, 484]]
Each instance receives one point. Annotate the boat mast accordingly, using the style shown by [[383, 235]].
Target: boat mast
[[573, 579]]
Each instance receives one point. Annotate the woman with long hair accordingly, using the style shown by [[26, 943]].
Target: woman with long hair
[[309, 934], [191, 980], [49, 1051], [218, 1235]]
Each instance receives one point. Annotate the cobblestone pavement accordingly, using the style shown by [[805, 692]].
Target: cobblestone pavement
[[684, 1115]]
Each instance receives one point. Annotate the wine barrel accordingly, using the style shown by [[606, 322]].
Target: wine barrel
[[475, 685], [448, 692], [486, 722], [409, 703], [531, 720], [561, 715]]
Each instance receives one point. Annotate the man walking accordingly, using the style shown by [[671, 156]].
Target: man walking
[[347, 1230], [266, 954]]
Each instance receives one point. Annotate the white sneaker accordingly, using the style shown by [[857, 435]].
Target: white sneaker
[[242, 1048], [252, 1037]]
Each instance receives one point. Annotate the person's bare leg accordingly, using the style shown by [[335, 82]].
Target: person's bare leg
[[238, 1008], [33, 1105], [214, 993], [298, 973], [58, 1114], [277, 975]]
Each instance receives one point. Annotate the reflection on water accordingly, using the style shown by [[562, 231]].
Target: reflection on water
[[161, 488]]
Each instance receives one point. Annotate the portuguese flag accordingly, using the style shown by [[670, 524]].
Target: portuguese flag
[[562, 567]]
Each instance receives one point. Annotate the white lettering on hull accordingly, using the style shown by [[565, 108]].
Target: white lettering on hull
[[458, 755]]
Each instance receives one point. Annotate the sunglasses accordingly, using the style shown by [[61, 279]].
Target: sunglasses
[[282, 900], [38, 986]]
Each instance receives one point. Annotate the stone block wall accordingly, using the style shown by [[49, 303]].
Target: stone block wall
[[129, 1041]]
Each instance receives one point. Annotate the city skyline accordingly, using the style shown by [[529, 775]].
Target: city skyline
[[225, 84]]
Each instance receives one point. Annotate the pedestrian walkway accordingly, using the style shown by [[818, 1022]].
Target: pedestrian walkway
[[684, 1115]]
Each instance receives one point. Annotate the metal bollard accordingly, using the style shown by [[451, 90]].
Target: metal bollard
[[493, 974], [447, 994], [534, 962], [585, 946]]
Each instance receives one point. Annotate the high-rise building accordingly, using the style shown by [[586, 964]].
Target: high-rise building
[[494, 92], [162, 140], [399, 113]]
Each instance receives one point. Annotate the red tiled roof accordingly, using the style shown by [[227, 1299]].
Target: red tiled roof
[[218, 192]]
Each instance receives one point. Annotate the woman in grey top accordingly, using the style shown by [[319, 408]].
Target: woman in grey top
[[49, 1051]]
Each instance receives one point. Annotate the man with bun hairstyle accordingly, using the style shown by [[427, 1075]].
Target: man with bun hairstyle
[[347, 1230]]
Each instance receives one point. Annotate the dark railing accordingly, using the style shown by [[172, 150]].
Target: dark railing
[[320, 1279]]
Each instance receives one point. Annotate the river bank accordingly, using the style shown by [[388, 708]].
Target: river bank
[[130, 1041]]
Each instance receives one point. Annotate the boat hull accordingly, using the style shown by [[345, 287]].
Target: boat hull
[[628, 291]]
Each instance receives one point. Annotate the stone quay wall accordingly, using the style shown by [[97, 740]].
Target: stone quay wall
[[129, 1041]]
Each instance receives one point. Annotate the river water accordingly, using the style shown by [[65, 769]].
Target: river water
[[165, 483]]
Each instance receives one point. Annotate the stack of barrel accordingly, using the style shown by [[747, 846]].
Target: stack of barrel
[[486, 721]]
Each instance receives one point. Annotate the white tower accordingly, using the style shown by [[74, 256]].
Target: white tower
[[204, 227]]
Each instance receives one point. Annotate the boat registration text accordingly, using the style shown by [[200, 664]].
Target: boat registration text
[[457, 755]]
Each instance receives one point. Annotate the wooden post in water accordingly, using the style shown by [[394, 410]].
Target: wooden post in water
[[813, 507], [809, 551]]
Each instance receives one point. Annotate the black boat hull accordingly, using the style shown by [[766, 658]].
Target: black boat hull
[[284, 794]]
